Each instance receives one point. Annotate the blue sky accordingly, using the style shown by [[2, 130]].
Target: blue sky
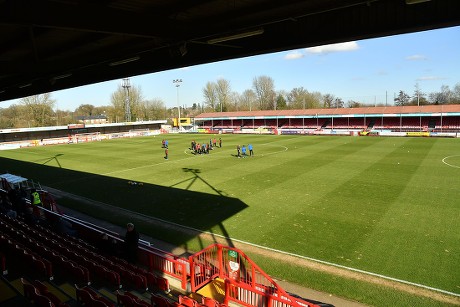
[[368, 71]]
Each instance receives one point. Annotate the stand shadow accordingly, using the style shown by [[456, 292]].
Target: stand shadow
[[202, 211]]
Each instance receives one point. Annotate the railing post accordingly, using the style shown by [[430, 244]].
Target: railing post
[[221, 261], [184, 276], [192, 273]]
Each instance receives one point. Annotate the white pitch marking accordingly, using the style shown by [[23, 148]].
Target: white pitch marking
[[445, 158]]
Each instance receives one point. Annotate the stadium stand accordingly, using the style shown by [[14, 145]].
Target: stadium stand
[[46, 267], [436, 119]]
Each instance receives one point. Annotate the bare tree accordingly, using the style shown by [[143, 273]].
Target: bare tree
[[234, 102], [264, 88], [419, 97], [328, 101], [151, 109], [210, 96], [247, 100], [296, 98], [338, 103], [223, 90], [441, 97], [455, 98]]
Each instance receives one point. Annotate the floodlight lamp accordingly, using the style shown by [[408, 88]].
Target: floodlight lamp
[[409, 2], [236, 36]]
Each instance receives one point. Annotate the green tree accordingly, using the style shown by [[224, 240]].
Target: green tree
[[118, 100], [402, 99], [84, 110], [281, 101], [39, 110], [328, 101], [354, 104]]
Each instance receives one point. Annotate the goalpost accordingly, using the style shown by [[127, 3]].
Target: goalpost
[[86, 137], [139, 132]]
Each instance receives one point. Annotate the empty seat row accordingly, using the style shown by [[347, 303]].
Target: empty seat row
[[204, 302], [128, 299], [88, 297], [39, 294], [86, 265]]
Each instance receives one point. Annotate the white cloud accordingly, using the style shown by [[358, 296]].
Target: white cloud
[[341, 47], [294, 55], [430, 78], [416, 57]]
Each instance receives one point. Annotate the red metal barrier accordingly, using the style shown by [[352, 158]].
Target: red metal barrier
[[243, 294], [245, 282]]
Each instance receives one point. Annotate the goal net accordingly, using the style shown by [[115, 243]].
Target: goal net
[[86, 137], [139, 132]]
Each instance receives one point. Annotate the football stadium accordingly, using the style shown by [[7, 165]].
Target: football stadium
[[258, 205], [332, 212]]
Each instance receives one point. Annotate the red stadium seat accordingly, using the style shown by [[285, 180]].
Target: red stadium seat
[[187, 301], [43, 301], [209, 302], [159, 301]]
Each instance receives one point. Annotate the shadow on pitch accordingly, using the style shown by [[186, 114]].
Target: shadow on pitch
[[183, 207]]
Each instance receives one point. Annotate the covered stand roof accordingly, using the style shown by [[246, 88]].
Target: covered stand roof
[[445, 110], [49, 45]]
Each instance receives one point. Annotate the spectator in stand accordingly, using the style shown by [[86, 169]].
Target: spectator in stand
[[131, 243], [35, 198]]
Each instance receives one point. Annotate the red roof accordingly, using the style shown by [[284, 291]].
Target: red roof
[[448, 108]]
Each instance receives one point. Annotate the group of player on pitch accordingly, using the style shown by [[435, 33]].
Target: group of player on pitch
[[204, 148]]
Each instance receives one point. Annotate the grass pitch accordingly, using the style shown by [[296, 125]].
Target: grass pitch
[[385, 205]]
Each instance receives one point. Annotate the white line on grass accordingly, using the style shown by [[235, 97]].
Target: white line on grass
[[445, 158], [145, 166], [275, 152], [188, 153], [307, 258]]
